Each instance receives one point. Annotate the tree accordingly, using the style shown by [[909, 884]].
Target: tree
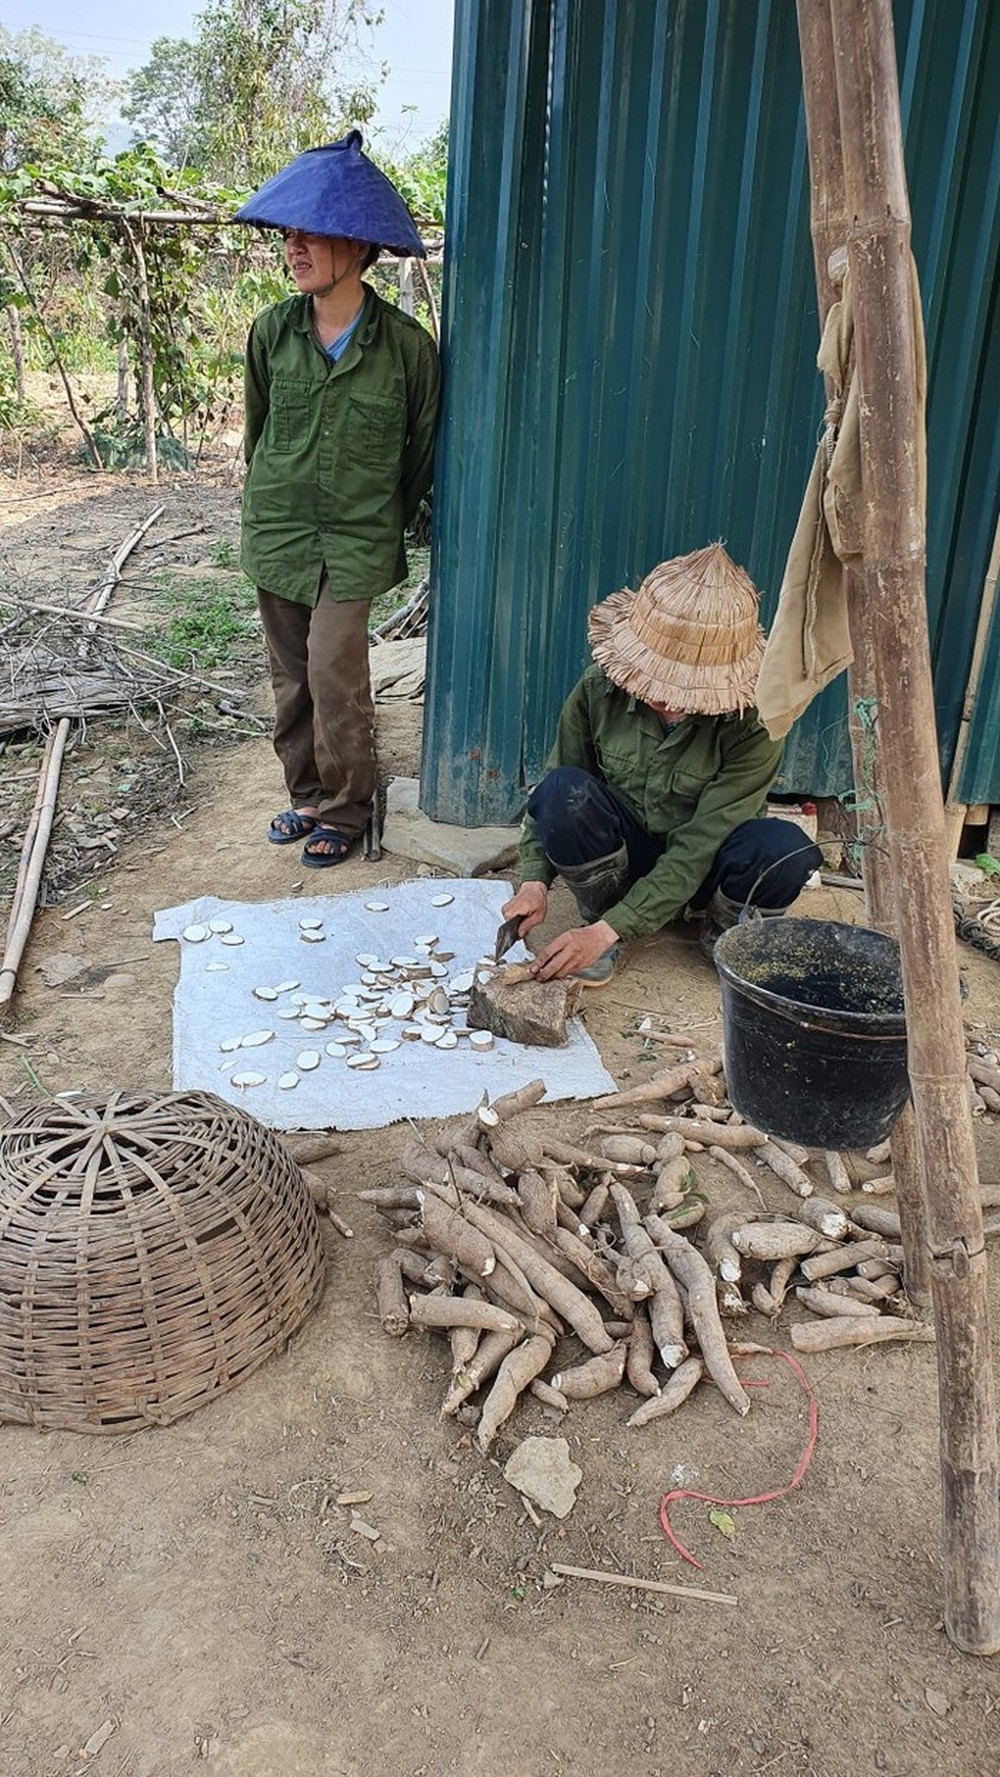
[[165, 103], [262, 80], [48, 101]]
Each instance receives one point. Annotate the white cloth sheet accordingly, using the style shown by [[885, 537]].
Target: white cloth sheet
[[212, 1005]]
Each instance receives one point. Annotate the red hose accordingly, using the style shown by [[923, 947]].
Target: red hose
[[757, 1499]]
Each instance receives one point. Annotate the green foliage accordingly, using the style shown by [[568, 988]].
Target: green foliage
[[421, 177], [223, 553], [209, 621], [48, 99], [166, 105], [124, 447], [262, 80]]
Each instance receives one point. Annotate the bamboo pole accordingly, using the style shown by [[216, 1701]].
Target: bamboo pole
[[134, 239], [36, 839], [828, 221], [893, 610]]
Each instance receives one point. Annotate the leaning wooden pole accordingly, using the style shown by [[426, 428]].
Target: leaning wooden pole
[[893, 615], [828, 222]]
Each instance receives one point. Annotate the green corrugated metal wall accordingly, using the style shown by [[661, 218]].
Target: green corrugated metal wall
[[631, 334]]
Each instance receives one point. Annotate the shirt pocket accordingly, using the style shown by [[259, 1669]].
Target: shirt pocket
[[378, 429], [686, 787], [290, 407]]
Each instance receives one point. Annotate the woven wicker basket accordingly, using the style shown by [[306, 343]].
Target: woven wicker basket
[[153, 1252]]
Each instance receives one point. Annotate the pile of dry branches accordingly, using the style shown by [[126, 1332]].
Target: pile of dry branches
[[64, 664]]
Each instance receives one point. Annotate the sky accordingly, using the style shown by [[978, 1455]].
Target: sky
[[414, 39]]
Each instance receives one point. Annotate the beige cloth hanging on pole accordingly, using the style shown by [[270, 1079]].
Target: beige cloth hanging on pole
[[810, 641]]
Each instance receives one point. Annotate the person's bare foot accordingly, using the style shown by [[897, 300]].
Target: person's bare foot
[[291, 825]]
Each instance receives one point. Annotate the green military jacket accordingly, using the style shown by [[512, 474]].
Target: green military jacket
[[339, 455], [690, 785]]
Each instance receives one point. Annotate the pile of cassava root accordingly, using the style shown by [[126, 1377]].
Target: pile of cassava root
[[511, 1243]]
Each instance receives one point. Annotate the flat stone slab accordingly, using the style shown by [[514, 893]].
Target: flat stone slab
[[541, 1469], [461, 851]]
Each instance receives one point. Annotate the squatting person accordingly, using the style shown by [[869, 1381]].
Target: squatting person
[[652, 806]]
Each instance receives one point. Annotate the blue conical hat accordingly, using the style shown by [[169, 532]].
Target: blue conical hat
[[336, 190]]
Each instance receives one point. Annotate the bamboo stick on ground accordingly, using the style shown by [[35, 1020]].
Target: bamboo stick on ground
[[624, 1579]]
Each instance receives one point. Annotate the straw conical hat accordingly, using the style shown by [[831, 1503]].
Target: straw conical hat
[[689, 639]]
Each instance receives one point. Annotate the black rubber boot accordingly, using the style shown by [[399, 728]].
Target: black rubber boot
[[596, 886], [721, 913]]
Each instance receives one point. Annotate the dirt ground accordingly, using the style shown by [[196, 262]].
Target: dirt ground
[[194, 1594]]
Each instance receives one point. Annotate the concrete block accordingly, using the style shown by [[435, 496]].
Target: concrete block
[[461, 851]]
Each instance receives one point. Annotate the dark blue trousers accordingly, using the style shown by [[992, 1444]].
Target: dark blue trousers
[[578, 818]]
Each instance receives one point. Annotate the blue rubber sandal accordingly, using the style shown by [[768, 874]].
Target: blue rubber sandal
[[321, 860], [291, 826]]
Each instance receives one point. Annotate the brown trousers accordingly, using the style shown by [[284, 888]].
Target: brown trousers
[[324, 722]]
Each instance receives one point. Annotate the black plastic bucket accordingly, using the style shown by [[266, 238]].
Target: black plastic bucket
[[814, 1031]]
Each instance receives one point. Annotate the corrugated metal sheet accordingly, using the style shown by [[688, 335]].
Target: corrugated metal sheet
[[631, 334]]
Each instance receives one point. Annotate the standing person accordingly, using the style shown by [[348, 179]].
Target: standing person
[[652, 804], [341, 406]]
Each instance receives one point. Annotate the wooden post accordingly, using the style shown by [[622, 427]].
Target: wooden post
[[893, 611], [828, 220], [134, 238]]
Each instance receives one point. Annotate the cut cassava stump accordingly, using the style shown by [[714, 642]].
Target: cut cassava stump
[[534, 1012]]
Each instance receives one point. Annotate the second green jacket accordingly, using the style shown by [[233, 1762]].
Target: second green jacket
[[339, 454], [690, 785]]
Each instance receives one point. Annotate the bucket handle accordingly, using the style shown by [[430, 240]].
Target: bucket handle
[[749, 910]]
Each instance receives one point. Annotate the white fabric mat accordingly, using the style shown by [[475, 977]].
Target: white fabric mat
[[214, 1003]]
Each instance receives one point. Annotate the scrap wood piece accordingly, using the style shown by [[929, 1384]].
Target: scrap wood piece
[[522, 1009], [626, 1579]]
